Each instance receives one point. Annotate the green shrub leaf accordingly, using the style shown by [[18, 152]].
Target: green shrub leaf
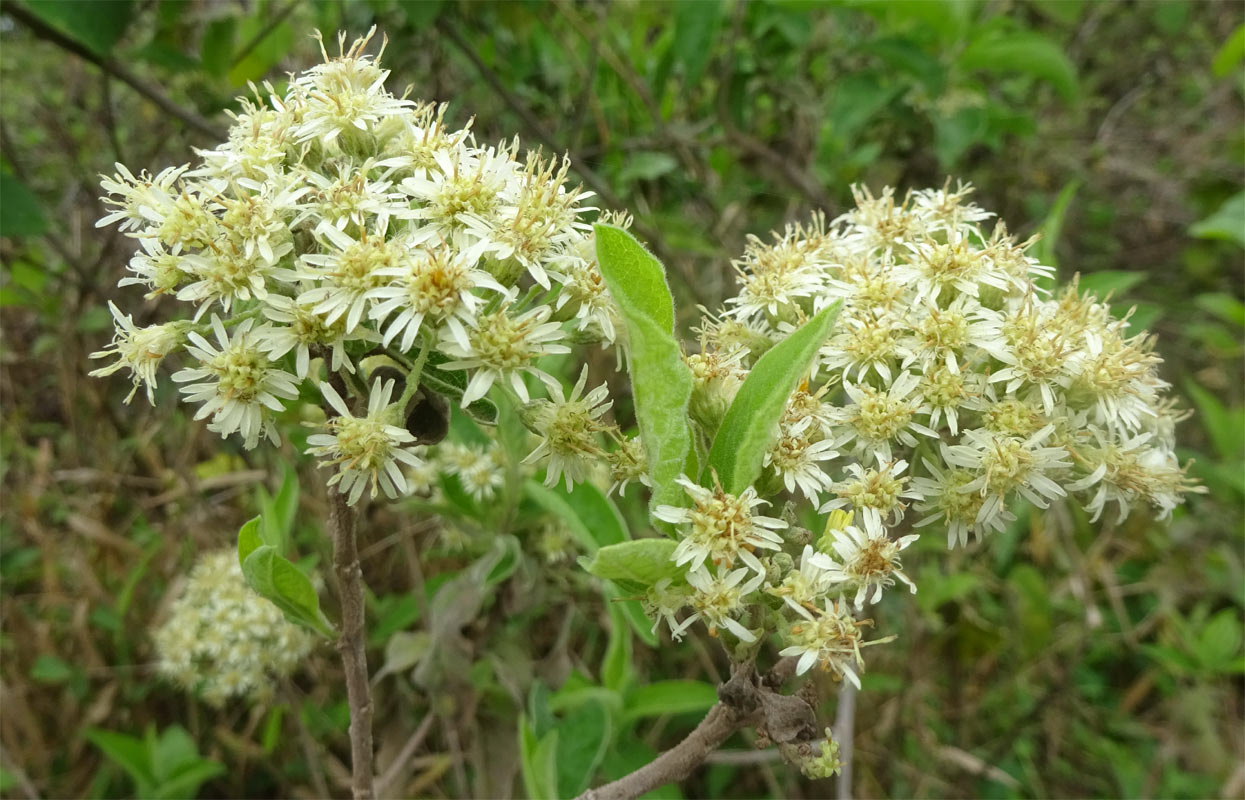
[[592, 516], [273, 577], [661, 381], [669, 697], [20, 214], [750, 423], [1027, 53], [635, 565], [249, 539]]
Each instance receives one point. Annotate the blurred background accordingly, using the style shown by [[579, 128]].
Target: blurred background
[[1059, 659]]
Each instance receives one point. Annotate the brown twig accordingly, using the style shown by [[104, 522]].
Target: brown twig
[[746, 699], [351, 643], [679, 761], [113, 67]]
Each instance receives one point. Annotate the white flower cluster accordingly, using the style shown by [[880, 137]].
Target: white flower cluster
[[341, 222], [223, 640], [952, 386]]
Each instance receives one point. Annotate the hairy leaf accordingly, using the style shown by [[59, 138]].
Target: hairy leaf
[[749, 427], [661, 381], [635, 565]]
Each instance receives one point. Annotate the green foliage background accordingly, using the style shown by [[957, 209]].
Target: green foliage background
[[1059, 659]]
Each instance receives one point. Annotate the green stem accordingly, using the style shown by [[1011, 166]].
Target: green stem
[[413, 376]]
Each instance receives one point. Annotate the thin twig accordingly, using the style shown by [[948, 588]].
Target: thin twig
[[263, 34], [113, 67], [401, 761], [351, 644]]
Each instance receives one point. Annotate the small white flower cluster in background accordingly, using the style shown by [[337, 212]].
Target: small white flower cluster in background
[[952, 386], [222, 640], [341, 222]]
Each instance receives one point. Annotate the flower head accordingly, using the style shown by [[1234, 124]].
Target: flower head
[[366, 450]]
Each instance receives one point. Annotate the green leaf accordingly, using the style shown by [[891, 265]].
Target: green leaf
[[616, 669], [96, 24], [176, 765], [591, 516], [216, 50], [583, 737], [750, 424], [403, 651], [266, 52], [696, 25], [249, 539], [273, 577], [187, 780], [1052, 226], [50, 669], [955, 133], [1226, 428], [1231, 54], [420, 13], [1222, 305], [1227, 223], [1219, 640], [661, 381], [127, 752], [20, 214], [538, 760], [1111, 281], [1027, 53], [669, 697], [646, 165], [635, 565]]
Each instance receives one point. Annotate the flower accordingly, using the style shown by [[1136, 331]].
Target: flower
[[568, 429], [350, 272], [867, 559], [876, 494], [718, 598], [1009, 463], [720, 527], [223, 640], [829, 636], [439, 285], [502, 347], [238, 384], [140, 350], [366, 449]]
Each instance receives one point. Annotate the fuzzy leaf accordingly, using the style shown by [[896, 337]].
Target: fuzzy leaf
[[661, 381], [635, 565], [750, 423]]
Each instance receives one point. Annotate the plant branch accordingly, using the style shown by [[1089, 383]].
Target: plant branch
[[351, 644], [113, 67], [679, 761]]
